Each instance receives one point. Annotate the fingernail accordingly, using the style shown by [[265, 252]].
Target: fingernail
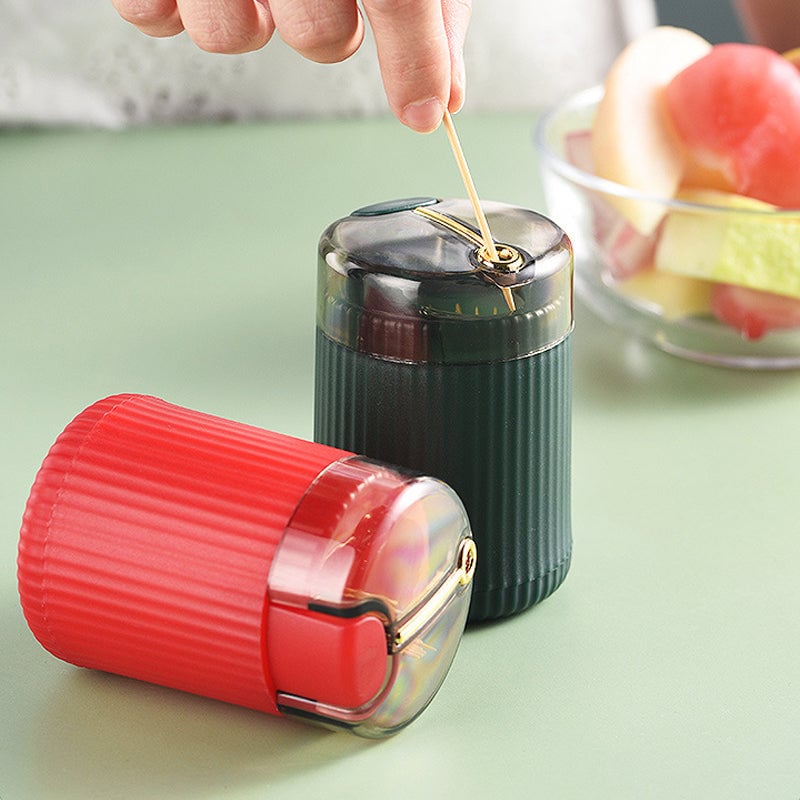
[[458, 88], [461, 76], [424, 116]]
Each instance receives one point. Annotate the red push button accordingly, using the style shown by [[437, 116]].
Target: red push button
[[333, 661]]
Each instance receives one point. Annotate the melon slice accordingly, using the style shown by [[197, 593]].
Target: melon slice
[[753, 250], [674, 296], [793, 56]]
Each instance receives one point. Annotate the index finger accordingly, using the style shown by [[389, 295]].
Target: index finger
[[414, 56]]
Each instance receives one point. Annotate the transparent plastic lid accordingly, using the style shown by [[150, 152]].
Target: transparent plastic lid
[[411, 280], [368, 597]]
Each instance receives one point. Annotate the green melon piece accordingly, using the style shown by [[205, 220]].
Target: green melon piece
[[735, 245]]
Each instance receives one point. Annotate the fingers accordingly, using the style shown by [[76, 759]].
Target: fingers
[[414, 56], [321, 30], [420, 42], [456, 14], [153, 17], [219, 26], [226, 26]]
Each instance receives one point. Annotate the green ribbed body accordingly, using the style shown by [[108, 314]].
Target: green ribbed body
[[498, 433]]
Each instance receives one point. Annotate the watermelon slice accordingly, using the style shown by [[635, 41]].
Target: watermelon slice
[[752, 312], [737, 110]]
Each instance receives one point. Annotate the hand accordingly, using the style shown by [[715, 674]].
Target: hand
[[419, 42]]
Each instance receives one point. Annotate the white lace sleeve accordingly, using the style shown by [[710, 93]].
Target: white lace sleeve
[[77, 62]]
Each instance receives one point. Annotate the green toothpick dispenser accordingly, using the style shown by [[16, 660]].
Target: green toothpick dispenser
[[431, 356]]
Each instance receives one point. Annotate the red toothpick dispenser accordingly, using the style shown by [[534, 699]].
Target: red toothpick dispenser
[[244, 565]]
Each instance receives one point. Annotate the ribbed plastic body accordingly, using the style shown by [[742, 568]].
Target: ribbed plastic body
[[161, 573], [434, 357], [206, 555], [498, 433]]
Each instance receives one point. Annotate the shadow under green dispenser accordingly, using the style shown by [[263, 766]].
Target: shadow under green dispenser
[[433, 357]]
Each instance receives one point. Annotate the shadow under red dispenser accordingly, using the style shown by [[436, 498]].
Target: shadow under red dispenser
[[244, 565]]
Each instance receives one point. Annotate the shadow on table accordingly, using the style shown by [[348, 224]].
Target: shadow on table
[[614, 369], [107, 736]]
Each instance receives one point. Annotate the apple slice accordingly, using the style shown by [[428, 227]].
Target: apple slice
[[578, 151], [633, 141], [754, 313], [737, 110], [622, 248]]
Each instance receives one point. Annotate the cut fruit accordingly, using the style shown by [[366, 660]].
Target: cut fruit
[[633, 142], [737, 110], [793, 56], [741, 241], [699, 175], [578, 150], [622, 248], [754, 313], [675, 296]]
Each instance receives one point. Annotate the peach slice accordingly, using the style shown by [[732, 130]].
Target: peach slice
[[633, 142]]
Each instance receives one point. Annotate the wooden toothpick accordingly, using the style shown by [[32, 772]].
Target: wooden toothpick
[[483, 224], [488, 241]]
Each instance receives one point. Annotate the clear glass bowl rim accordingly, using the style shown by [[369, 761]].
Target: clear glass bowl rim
[[588, 99]]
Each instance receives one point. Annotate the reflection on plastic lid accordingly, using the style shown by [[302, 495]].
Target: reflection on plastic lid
[[368, 546]]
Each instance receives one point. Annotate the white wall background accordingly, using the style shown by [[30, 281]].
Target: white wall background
[[76, 62]]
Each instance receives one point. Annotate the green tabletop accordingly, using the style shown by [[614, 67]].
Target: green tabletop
[[181, 262]]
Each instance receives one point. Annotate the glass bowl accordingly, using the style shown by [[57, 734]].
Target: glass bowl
[[615, 272]]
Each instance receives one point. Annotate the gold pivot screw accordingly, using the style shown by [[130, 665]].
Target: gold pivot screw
[[467, 559], [508, 259]]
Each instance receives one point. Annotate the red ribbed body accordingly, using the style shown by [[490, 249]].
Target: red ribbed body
[[147, 542]]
